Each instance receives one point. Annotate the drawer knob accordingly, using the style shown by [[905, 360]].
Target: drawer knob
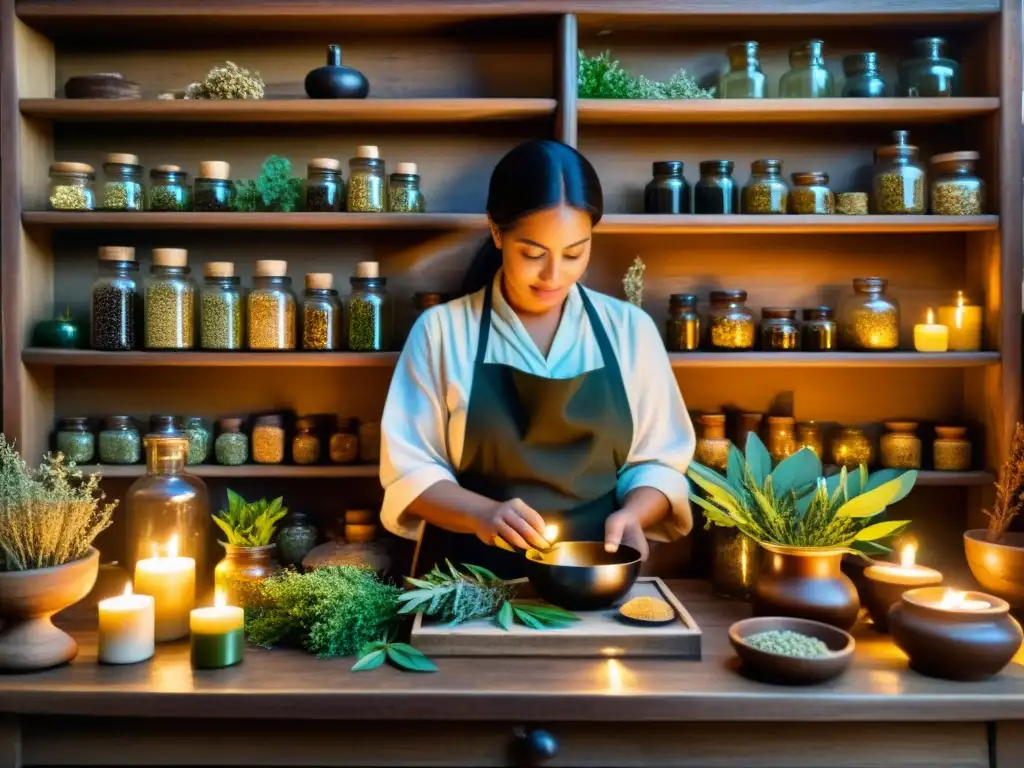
[[534, 746]]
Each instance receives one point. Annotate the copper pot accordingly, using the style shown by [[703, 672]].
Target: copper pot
[[805, 584], [998, 566]]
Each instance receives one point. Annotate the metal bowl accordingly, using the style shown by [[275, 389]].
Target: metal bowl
[[581, 575]]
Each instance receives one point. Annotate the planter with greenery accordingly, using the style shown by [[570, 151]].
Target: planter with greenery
[[249, 553], [600, 77]]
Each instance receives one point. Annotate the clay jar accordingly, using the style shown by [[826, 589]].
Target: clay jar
[[805, 584], [336, 81]]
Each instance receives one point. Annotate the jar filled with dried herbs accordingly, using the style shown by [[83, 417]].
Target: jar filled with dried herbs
[[780, 331], [200, 440], [169, 189], [170, 301], [220, 307], [323, 190], [781, 440], [931, 72], [852, 449], [744, 78], [808, 435], [424, 300], [72, 187], [899, 179], [404, 195], [713, 446], [766, 191], [668, 191], [852, 203], [231, 448], [956, 189], [900, 446], [819, 330], [366, 181], [119, 441], [369, 442], [810, 194], [306, 442], [345, 442], [75, 440], [114, 300], [268, 439], [863, 79], [682, 328], [807, 78], [271, 307], [730, 322], [321, 313], [368, 310], [716, 190], [951, 451], [214, 190], [122, 183], [871, 318]]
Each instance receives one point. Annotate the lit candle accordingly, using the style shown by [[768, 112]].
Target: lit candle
[[126, 628], [217, 635], [964, 323], [931, 336], [550, 533], [954, 600], [907, 573], [171, 580]]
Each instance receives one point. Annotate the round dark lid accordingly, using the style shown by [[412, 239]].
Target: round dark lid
[[118, 422], [728, 295], [716, 167], [73, 424], [810, 178], [869, 284], [231, 424], [778, 313], [269, 420], [668, 168], [683, 299], [766, 165], [163, 423], [819, 313]]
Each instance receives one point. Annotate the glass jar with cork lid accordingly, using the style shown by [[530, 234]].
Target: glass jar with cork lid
[[404, 195], [268, 439], [779, 330], [956, 189], [231, 448], [115, 300], [730, 322], [366, 181], [72, 187], [810, 194], [871, 318], [169, 189], [122, 183], [321, 313], [323, 190], [271, 307], [899, 179], [807, 78], [744, 78], [368, 310], [766, 191], [170, 301], [221, 307], [682, 328], [214, 190]]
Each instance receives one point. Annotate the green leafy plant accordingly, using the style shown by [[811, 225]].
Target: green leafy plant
[[49, 516], [250, 523], [402, 655], [601, 77], [793, 505], [276, 189]]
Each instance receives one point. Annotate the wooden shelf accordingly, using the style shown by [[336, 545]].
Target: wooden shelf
[[903, 359], [792, 111], [931, 478], [709, 224], [244, 471]]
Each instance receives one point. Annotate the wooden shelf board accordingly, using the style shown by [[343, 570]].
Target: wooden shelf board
[[761, 111], [902, 359], [245, 470], [932, 478], [707, 224]]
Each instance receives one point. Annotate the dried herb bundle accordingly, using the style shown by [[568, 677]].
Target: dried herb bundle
[[228, 82], [1009, 489], [633, 282], [599, 77]]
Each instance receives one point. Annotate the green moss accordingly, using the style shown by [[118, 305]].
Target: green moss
[[600, 77]]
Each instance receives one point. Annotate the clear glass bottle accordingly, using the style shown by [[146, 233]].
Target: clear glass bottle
[[368, 310], [716, 191], [231, 448], [295, 538], [119, 441], [200, 440], [871, 318], [169, 189], [808, 77], [114, 301], [899, 178], [781, 441], [366, 181], [951, 451], [863, 79], [404, 195], [72, 187], [214, 191], [170, 301], [682, 328], [323, 191], [730, 322], [780, 331], [268, 439], [852, 448], [668, 191], [713, 446], [321, 313], [900, 446], [75, 440], [271, 307], [744, 78], [931, 72], [766, 191], [819, 330], [369, 441], [810, 194], [344, 446], [238, 575], [808, 435], [221, 307], [123, 179], [306, 442], [956, 189]]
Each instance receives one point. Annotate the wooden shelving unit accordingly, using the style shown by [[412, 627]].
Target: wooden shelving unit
[[246, 471]]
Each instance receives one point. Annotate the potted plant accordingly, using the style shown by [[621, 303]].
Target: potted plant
[[49, 518], [996, 554], [805, 523], [248, 559]]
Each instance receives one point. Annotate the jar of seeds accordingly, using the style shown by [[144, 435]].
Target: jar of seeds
[[271, 307], [306, 443], [404, 195], [75, 440], [220, 307], [819, 330], [122, 183], [169, 301], [808, 435], [162, 424], [321, 313], [730, 322], [424, 300], [268, 439], [779, 330], [114, 300], [956, 188], [369, 442], [810, 194], [931, 72], [951, 450], [852, 448], [169, 189], [323, 190], [807, 77], [214, 190], [871, 318], [200, 441], [744, 78], [231, 448], [682, 328], [899, 185], [366, 181], [766, 192], [345, 443], [71, 187], [863, 80], [852, 203], [668, 191], [368, 310], [716, 191], [781, 441], [119, 441], [713, 447], [901, 447]]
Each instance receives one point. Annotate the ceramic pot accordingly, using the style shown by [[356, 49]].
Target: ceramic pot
[[336, 81], [238, 575], [29, 600], [805, 584], [998, 566]]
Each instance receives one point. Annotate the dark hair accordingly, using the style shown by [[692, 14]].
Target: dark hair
[[533, 176]]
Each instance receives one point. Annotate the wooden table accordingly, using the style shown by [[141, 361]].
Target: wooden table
[[284, 708]]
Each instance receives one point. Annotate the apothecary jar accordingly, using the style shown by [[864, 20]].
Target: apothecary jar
[[899, 178], [900, 446], [807, 77], [871, 318], [931, 72], [781, 440], [852, 449], [744, 78], [956, 189], [730, 322], [713, 447]]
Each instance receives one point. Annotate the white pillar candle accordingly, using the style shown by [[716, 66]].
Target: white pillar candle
[[127, 625], [964, 323], [171, 581]]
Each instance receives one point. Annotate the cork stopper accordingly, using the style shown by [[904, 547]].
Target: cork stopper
[[167, 168], [319, 281], [367, 269], [325, 164], [117, 253], [271, 268], [359, 517], [170, 257], [72, 168], [122, 158], [956, 157], [360, 534], [368, 150], [214, 169], [219, 269], [406, 168]]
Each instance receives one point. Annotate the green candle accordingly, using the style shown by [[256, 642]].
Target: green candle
[[217, 637]]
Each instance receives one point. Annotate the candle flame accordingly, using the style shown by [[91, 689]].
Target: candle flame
[[128, 589], [931, 317], [219, 599], [958, 317], [908, 555], [550, 533], [172, 546], [952, 599]]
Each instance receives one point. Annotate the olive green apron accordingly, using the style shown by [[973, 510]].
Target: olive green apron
[[557, 444]]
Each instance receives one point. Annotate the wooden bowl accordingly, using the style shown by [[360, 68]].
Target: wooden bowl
[[776, 668], [105, 85]]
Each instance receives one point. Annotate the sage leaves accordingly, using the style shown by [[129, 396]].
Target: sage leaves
[[401, 655]]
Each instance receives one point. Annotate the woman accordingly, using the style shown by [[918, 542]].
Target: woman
[[532, 401]]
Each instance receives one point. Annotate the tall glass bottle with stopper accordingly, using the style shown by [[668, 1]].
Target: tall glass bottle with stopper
[[744, 78], [807, 77], [368, 310], [115, 298], [366, 181], [122, 183], [213, 189], [170, 301], [221, 308], [321, 313], [271, 307]]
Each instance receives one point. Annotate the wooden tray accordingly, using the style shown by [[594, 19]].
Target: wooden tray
[[598, 634]]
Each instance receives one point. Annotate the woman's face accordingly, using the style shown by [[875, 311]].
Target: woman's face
[[543, 255]]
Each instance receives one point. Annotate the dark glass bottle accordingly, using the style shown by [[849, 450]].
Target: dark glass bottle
[[819, 329], [668, 191], [863, 80], [930, 72], [682, 329], [716, 191]]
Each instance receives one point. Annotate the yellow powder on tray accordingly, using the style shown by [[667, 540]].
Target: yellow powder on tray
[[648, 609]]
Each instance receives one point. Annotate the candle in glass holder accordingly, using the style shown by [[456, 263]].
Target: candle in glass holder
[[964, 323], [171, 581], [126, 628], [931, 336], [217, 634], [886, 582]]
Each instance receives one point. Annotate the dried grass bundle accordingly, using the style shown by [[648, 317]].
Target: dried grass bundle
[[1009, 489]]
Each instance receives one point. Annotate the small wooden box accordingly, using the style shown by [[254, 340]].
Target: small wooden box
[[601, 634]]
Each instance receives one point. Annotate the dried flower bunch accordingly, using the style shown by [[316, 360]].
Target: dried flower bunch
[[599, 77], [633, 282], [228, 82], [1009, 489], [49, 516]]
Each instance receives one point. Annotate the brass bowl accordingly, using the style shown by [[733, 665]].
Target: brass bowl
[[581, 575]]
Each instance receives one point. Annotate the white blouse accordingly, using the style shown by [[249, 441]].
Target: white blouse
[[424, 423]]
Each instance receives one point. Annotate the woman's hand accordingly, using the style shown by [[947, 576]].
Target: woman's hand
[[624, 527], [515, 522]]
